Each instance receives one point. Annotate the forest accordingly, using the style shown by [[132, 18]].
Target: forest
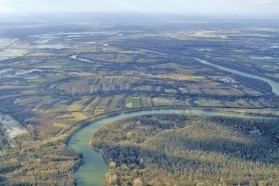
[[56, 77], [190, 150]]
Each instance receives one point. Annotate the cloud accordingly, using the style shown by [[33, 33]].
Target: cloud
[[200, 7], [266, 2], [4, 9]]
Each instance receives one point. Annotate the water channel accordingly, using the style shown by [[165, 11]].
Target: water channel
[[274, 85], [92, 172]]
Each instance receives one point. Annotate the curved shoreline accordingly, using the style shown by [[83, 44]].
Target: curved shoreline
[[89, 121], [274, 85], [94, 167]]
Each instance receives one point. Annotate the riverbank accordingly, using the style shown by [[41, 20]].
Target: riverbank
[[157, 149], [246, 111], [94, 167], [274, 85]]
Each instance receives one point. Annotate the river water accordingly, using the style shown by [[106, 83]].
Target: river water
[[273, 84], [94, 169]]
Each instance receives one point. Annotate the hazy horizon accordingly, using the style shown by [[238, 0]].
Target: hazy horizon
[[198, 7]]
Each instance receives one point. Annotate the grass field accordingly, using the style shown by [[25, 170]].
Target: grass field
[[135, 101], [51, 93], [180, 77], [77, 105]]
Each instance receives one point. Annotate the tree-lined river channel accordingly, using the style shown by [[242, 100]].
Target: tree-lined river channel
[[274, 85], [93, 170]]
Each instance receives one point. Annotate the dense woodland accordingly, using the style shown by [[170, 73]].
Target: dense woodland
[[56, 76], [3, 139], [30, 161], [179, 150]]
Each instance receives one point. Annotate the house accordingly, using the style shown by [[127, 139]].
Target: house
[[228, 80]]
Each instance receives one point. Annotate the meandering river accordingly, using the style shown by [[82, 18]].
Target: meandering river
[[94, 168], [274, 85]]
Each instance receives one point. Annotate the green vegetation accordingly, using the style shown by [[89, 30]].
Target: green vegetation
[[133, 102], [38, 165], [3, 139], [55, 77], [180, 150]]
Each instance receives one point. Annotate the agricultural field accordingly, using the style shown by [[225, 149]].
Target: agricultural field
[[55, 77]]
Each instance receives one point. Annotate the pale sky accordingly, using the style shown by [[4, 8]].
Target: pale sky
[[248, 7]]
